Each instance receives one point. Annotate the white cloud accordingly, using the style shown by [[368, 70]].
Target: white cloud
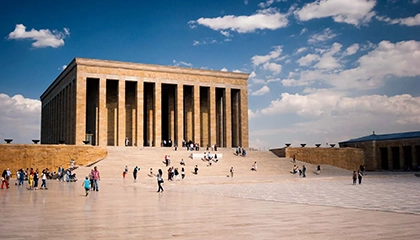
[[326, 34], [351, 50], [327, 60], [324, 104], [387, 59], [409, 21], [355, 12], [273, 67], [43, 38], [246, 2], [237, 71], [263, 90], [259, 81], [225, 33], [273, 55], [304, 30], [252, 75], [19, 118], [269, 19], [224, 69], [252, 114], [300, 50], [181, 63], [268, 3], [204, 42], [308, 59], [63, 67]]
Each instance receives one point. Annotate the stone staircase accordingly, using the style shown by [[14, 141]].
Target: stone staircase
[[145, 158]]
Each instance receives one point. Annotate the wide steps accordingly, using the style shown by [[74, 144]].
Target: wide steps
[[146, 158]]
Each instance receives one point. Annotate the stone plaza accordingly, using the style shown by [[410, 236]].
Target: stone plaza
[[216, 207]]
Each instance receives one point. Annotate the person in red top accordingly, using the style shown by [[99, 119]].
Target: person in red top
[[96, 178]]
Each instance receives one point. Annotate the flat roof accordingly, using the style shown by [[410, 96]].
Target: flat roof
[[383, 137]]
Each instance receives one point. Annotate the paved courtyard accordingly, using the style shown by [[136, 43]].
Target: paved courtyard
[[383, 207]]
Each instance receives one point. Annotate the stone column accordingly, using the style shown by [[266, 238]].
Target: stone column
[[102, 125], [139, 113], [158, 114], [212, 118], [228, 118], [121, 113], [171, 116], [402, 157], [197, 126], [390, 160], [180, 114], [244, 118], [80, 110]]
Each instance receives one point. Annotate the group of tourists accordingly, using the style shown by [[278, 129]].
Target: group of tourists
[[296, 170], [30, 175], [240, 151], [357, 175]]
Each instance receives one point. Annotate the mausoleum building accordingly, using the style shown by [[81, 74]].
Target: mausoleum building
[[110, 103]]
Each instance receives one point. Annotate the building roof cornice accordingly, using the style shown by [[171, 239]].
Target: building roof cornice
[[158, 68]]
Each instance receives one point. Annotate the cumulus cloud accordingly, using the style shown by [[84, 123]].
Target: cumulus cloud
[[263, 90], [270, 19], [387, 59], [252, 114], [252, 75], [42, 38], [325, 35], [409, 21], [327, 60], [181, 63], [300, 50], [328, 115], [273, 55], [308, 59], [268, 3], [20, 118], [275, 68], [224, 69], [355, 12], [351, 50]]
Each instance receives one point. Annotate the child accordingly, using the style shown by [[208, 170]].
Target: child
[[30, 180], [86, 184]]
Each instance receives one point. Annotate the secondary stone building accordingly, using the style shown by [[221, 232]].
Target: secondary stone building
[[394, 151], [107, 103]]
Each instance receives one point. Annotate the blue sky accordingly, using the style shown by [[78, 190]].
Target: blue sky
[[320, 71]]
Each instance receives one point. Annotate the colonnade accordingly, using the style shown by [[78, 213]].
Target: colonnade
[[147, 113], [58, 116]]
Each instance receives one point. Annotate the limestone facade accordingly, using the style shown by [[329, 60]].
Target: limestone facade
[[347, 158], [107, 102], [396, 154]]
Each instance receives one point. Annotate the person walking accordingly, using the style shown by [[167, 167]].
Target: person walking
[[125, 171], [303, 171], [231, 171], [86, 184], [159, 180], [360, 176], [44, 179], [5, 179], [135, 170], [36, 178], [354, 177], [182, 173], [96, 178]]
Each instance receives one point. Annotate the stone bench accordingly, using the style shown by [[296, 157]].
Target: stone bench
[[200, 156]]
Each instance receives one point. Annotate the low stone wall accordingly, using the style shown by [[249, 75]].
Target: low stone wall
[[347, 158], [16, 156]]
